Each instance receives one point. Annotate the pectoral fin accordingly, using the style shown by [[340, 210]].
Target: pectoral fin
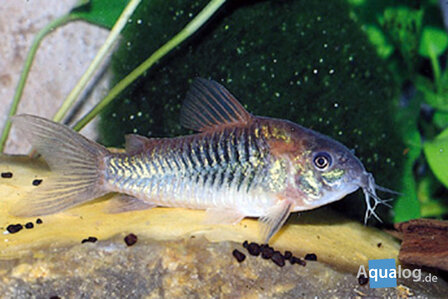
[[274, 219], [126, 203], [221, 216]]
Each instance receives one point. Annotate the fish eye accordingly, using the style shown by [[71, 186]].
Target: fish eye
[[322, 161]]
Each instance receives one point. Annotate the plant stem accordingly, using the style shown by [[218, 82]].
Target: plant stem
[[436, 69], [26, 69], [186, 32], [104, 50]]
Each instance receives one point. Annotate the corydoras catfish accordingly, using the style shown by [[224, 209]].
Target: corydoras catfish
[[238, 165]]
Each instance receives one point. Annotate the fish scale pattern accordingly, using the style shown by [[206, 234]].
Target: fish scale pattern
[[221, 169]]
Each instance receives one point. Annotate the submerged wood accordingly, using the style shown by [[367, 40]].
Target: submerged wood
[[425, 243]]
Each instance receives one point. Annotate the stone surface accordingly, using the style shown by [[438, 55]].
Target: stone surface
[[60, 61], [188, 268]]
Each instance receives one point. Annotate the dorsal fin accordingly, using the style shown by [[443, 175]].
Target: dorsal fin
[[209, 105], [136, 143]]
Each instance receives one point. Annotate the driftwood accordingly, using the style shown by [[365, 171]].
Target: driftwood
[[424, 243]]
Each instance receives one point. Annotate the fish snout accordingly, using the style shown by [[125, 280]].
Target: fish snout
[[357, 174]]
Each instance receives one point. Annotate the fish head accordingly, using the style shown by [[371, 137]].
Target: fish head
[[327, 171]]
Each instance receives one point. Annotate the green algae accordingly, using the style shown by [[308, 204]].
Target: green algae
[[306, 61]]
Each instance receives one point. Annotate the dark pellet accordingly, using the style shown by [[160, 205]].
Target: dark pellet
[[14, 228], [239, 255], [89, 239], [38, 221], [379, 245], [37, 182], [245, 244], [295, 260], [29, 225], [278, 259], [311, 257], [362, 280], [288, 254], [266, 251], [55, 297], [6, 175], [130, 239], [301, 262], [254, 249]]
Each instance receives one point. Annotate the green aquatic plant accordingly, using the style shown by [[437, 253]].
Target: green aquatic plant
[[183, 34], [413, 41]]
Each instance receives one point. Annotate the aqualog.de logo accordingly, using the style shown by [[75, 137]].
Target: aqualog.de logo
[[384, 273]]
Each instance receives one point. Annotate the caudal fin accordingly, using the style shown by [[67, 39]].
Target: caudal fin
[[76, 164]]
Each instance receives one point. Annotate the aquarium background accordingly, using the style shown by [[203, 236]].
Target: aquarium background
[[370, 74], [360, 72]]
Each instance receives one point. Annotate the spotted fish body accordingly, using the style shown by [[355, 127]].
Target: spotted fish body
[[237, 166]]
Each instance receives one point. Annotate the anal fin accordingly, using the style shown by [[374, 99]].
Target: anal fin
[[274, 219], [222, 216], [126, 203]]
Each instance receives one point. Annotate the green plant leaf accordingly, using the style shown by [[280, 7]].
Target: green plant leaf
[[431, 206], [436, 153], [440, 119], [379, 40], [407, 206], [437, 100], [434, 42], [103, 13], [434, 208], [433, 96], [403, 26]]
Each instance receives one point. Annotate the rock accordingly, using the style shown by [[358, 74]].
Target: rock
[[181, 268]]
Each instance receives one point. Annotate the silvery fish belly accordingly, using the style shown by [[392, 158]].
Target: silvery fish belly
[[237, 165]]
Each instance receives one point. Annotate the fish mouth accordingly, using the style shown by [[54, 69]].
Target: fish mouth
[[369, 187]]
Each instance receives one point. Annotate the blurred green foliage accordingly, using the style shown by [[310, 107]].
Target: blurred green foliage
[[103, 13], [411, 38], [436, 152], [434, 42]]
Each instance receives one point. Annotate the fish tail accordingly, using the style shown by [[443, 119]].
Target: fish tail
[[77, 166]]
